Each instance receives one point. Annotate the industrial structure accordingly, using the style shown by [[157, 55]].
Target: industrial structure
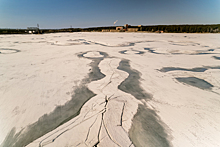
[[132, 29], [124, 28], [33, 30], [119, 28]]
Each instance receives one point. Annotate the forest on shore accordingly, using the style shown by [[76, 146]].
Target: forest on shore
[[213, 28]]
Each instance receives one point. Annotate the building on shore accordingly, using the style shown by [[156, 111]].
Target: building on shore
[[120, 28], [33, 30], [124, 28], [140, 28], [159, 31], [132, 29]]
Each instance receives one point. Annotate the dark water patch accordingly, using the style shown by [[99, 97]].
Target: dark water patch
[[95, 73], [78, 40], [176, 53], [123, 52], [144, 41], [195, 44], [179, 44], [147, 129], [125, 45], [211, 50], [49, 122], [104, 54], [120, 45], [202, 53], [8, 51], [99, 44], [81, 55], [131, 84], [81, 39], [60, 114], [75, 42], [217, 58], [131, 44], [139, 52], [185, 43], [197, 69], [167, 69], [214, 67], [196, 82], [151, 51], [86, 43], [198, 53]]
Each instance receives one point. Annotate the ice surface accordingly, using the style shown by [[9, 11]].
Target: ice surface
[[110, 89]]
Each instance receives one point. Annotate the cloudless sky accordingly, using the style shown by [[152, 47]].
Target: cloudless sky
[[91, 13]]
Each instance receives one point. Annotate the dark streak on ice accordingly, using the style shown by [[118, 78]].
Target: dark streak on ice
[[139, 52], [197, 69], [7, 49], [51, 121], [123, 52], [151, 50], [198, 53], [120, 45], [61, 114], [122, 112], [147, 129], [187, 44], [95, 73], [217, 58], [196, 82], [203, 53], [131, 84]]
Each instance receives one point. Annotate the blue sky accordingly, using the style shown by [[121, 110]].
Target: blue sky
[[91, 13]]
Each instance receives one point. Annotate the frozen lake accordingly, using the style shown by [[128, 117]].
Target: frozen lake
[[110, 89]]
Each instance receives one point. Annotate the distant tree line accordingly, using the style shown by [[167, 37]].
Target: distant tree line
[[41, 31], [97, 29], [183, 28], [12, 31], [165, 28]]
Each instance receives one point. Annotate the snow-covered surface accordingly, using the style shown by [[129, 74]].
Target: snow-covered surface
[[40, 72]]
